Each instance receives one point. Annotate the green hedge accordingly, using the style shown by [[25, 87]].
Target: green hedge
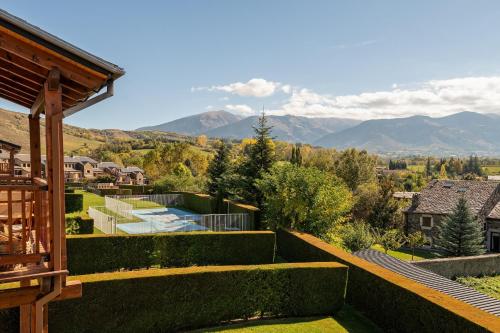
[[103, 253], [113, 191], [138, 189], [79, 225], [73, 202], [395, 307], [69, 190], [175, 299]]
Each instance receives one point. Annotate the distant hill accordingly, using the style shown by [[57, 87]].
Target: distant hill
[[197, 124], [14, 128], [286, 128], [461, 133]]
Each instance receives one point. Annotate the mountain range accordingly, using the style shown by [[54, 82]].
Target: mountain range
[[460, 133], [224, 124]]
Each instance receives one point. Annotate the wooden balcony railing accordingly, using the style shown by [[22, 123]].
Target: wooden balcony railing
[[5, 168], [24, 227]]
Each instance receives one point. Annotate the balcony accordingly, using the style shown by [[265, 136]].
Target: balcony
[[24, 228]]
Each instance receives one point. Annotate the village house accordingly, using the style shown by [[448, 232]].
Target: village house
[[87, 166], [80, 168], [440, 197]]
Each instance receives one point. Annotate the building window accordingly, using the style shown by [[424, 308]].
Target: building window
[[426, 222]]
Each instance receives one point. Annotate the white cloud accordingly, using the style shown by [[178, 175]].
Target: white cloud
[[432, 98], [254, 88], [242, 109]]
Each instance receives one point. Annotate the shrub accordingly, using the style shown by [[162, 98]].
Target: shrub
[[104, 253], [357, 236], [379, 293], [69, 190], [79, 225], [305, 199], [73, 202], [175, 299]]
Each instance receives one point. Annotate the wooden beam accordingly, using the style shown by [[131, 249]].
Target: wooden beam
[[21, 92], [42, 56], [11, 298], [37, 73], [39, 104], [54, 79], [14, 100], [15, 94], [20, 81], [54, 167]]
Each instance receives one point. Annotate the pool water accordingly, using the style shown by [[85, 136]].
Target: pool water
[[162, 220]]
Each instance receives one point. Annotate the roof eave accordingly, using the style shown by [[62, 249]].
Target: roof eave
[[39, 36]]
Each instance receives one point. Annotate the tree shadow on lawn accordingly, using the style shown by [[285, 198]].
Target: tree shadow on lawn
[[346, 320]]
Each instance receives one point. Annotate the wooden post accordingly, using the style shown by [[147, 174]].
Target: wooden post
[[54, 166], [35, 153], [11, 163]]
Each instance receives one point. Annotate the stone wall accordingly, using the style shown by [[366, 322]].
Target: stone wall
[[488, 264]]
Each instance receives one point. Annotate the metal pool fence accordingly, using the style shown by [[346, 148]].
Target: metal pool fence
[[124, 209], [102, 221], [124, 204]]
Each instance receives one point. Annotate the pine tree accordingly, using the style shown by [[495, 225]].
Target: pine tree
[[460, 233], [217, 170], [298, 156], [260, 157], [293, 159], [428, 167]]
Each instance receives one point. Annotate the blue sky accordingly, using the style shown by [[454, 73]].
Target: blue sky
[[358, 59]]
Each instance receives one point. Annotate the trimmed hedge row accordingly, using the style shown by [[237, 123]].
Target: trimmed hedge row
[[103, 253], [167, 300], [395, 303], [79, 225], [113, 191], [73, 202], [138, 189]]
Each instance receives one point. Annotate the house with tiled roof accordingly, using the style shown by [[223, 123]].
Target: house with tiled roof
[[440, 197]]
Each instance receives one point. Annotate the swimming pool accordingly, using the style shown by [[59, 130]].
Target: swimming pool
[[162, 220]]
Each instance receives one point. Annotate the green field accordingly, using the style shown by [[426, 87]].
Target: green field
[[405, 254], [489, 285], [347, 320], [492, 170], [416, 168], [89, 199], [142, 204]]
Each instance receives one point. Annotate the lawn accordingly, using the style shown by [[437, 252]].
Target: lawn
[[89, 199], [416, 168], [405, 254], [489, 285], [142, 204], [492, 170], [347, 320]]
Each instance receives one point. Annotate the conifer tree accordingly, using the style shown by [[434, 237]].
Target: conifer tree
[[428, 167], [460, 233], [217, 171], [260, 157]]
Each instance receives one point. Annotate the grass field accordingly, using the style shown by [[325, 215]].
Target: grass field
[[405, 254], [489, 285], [492, 170], [347, 320], [89, 199], [416, 168], [142, 204]]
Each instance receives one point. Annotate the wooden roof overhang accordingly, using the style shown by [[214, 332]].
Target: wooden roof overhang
[[9, 146], [30, 56]]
